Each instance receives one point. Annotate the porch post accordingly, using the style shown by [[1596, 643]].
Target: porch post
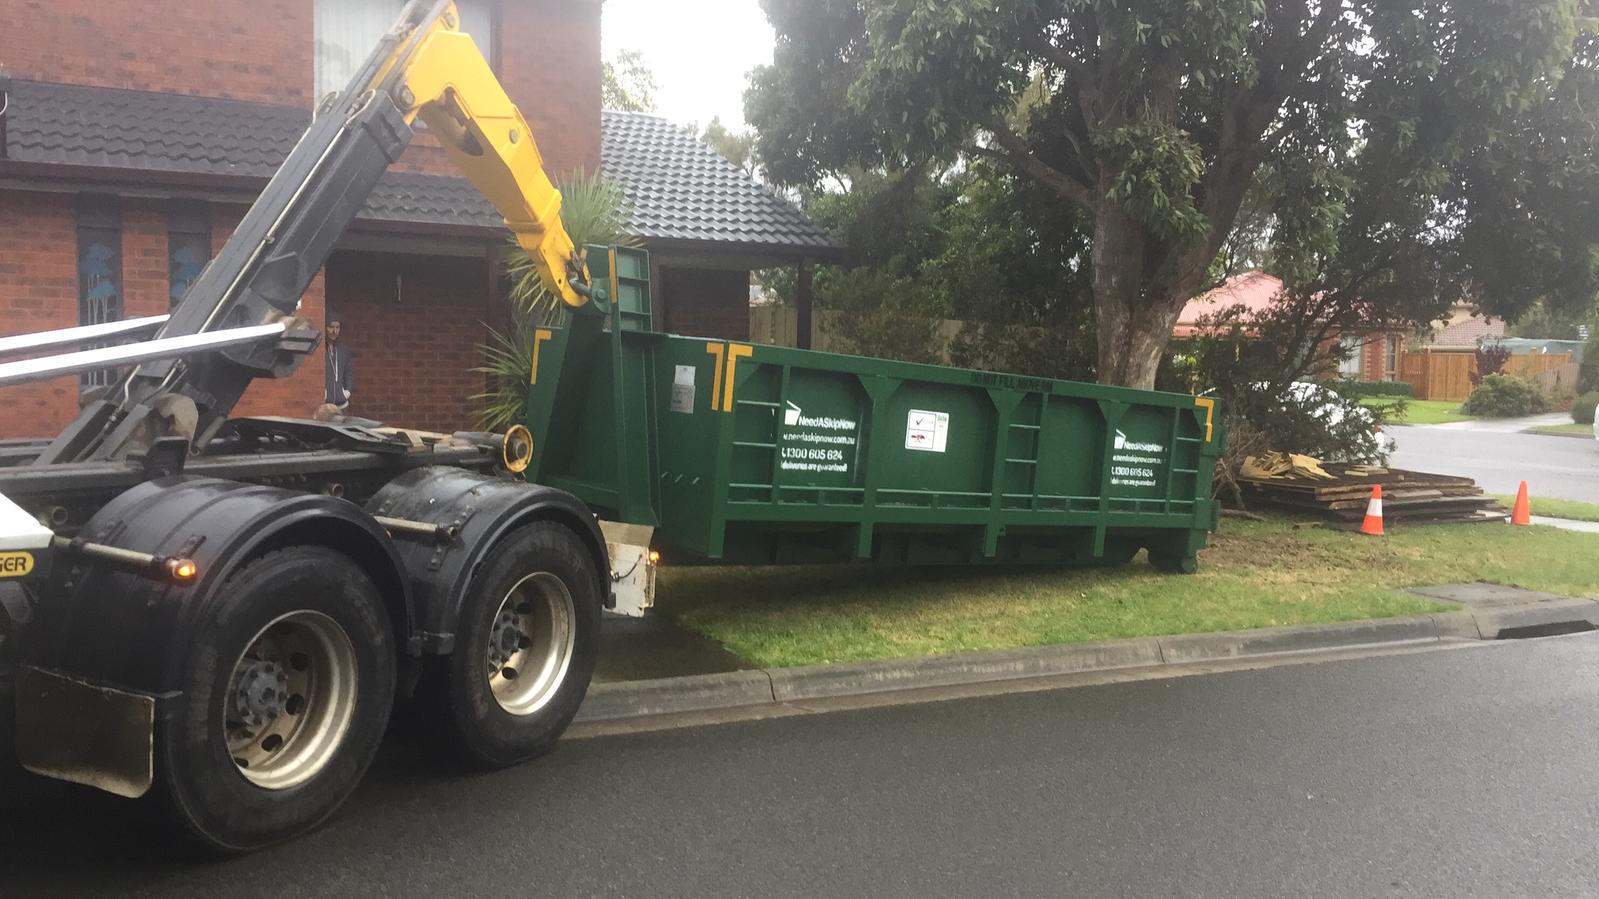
[[802, 306]]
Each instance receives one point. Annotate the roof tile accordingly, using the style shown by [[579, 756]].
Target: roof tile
[[678, 187], [681, 189]]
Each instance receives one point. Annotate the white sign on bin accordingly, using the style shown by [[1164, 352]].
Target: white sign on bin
[[926, 431]]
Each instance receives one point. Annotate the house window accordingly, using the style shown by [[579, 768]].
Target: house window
[[99, 271], [1390, 358], [188, 247], [345, 31], [1350, 348]]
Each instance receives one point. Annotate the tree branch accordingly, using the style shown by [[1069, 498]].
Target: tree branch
[[1046, 48], [1017, 153]]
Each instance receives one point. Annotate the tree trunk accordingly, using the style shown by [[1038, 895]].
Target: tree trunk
[[1134, 319], [1135, 312]]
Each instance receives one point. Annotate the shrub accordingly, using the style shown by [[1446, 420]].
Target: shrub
[[1588, 373], [1505, 396], [1359, 390], [1582, 407], [1490, 361]]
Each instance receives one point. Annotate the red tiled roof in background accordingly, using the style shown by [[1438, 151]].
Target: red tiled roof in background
[[1470, 331], [1255, 291]]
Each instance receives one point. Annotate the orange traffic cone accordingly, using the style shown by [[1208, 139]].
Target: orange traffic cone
[[1522, 514], [1373, 523]]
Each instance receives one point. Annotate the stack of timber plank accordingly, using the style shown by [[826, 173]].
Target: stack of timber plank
[[1408, 497]]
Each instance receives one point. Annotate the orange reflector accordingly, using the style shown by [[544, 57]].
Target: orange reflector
[[183, 569]]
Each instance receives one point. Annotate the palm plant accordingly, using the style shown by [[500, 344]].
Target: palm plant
[[594, 211]]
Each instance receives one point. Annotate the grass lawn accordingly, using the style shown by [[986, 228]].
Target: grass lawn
[[1573, 428], [1427, 412], [1554, 508], [1255, 574]]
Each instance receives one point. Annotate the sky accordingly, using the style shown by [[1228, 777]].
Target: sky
[[699, 52]]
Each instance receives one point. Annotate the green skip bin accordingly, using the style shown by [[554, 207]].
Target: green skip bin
[[753, 454]]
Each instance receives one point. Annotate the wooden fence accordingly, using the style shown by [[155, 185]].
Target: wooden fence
[[1445, 374]]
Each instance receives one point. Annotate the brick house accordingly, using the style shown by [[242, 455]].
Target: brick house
[[131, 144], [1375, 355]]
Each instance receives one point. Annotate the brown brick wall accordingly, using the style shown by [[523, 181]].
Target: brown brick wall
[[415, 342], [241, 49], [38, 292], [549, 60], [550, 64], [706, 303]]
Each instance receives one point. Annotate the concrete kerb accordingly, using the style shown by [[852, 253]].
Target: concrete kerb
[[1579, 435], [700, 693]]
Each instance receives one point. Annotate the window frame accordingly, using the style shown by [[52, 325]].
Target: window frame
[[495, 21], [99, 224], [188, 226]]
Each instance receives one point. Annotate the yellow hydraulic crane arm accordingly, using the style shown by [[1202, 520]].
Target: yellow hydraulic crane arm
[[445, 81]]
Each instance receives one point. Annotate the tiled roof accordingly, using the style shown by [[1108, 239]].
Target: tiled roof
[[1470, 331], [1255, 291], [681, 189], [678, 187], [156, 132]]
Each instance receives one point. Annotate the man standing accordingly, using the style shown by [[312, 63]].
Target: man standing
[[340, 374]]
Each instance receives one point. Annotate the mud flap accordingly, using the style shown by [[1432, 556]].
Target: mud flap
[[82, 733]]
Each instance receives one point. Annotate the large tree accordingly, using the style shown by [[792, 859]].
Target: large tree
[[1392, 140]]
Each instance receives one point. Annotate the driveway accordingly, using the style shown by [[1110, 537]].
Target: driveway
[[1507, 425], [1556, 467]]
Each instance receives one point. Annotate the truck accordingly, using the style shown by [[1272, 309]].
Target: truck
[[218, 614]]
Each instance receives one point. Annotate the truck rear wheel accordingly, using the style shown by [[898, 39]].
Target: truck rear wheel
[[525, 648], [287, 690]]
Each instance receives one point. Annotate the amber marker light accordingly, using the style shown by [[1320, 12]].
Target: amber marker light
[[182, 569]]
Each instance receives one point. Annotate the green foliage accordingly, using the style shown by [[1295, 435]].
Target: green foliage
[[1156, 170], [1490, 361], [627, 84], [736, 147], [886, 318], [975, 245], [1359, 390], [1505, 396], [594, 211], [1582, 408], [1588, 373], [508, 361], [1541, 321], [1386, 158]]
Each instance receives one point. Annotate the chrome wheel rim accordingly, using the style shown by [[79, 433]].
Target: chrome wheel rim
[[291, 698], [530, 643]]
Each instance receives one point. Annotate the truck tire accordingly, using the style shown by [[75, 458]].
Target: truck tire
[[525, 648], [287, 691]]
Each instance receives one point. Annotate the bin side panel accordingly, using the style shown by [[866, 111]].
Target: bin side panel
[[943, 448], [689, 426], [1073, 431], [821, 418]]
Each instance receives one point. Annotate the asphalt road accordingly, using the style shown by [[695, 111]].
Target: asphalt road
[[1457, 772], [1558, 467]]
